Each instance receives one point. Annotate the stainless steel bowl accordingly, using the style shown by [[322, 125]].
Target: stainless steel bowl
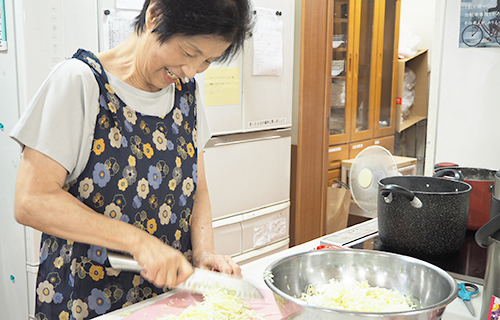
[[429, 286]]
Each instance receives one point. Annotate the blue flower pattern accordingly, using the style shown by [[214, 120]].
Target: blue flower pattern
[[101, 175], [57, 298], [97, 254], [99, 302], [154, 177]]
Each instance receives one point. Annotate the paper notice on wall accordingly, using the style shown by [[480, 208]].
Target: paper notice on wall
[[268, 42], [222, 86], [117, 26]]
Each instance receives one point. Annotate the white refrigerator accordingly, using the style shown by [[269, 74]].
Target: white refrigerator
[[248, 106], [248, 158]]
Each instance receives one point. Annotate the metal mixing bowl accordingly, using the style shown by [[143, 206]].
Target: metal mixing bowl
[[431, 288]]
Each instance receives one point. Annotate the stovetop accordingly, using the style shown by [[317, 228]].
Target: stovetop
[[468, 261]]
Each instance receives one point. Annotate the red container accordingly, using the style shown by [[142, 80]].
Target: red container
[[481, 181], [445, 165]]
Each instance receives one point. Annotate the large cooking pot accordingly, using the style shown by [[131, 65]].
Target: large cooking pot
[[431, 288], [420, 215], [481, 181]]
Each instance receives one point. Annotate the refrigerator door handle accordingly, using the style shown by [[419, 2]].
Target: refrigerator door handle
[[236, 139], [218, 144]]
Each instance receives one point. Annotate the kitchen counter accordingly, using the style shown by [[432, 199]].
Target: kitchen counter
[[252, 272]]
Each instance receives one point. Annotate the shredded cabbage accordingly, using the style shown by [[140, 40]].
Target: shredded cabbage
[[356, 296], [217, 304], [268, 275]]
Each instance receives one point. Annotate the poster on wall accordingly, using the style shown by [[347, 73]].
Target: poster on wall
[[479, 24]]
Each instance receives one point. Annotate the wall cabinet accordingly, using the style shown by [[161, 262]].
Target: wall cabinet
[[347, 97]]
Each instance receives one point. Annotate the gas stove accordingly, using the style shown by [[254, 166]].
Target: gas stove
[[467, 264]]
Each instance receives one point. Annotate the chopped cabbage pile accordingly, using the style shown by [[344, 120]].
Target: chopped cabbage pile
[[356, 296], [217, 304]]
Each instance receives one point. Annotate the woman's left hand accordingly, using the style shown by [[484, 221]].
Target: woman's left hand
[[217, 262], [202, 236]]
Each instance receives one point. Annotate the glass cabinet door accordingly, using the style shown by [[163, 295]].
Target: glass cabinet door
[[339, 116], [362, 113], [385, 111], [364, 62]]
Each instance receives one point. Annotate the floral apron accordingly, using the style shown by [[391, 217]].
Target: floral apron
[[142, 170]]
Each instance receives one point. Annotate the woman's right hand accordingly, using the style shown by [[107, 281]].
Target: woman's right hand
[[162, 265]]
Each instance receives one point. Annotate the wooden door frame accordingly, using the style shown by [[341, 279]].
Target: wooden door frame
[[310, 155]]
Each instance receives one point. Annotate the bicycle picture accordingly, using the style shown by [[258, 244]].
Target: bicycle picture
[[474, 33], [479, 23]]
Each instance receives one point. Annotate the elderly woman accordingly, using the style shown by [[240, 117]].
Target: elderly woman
[[111, 161]]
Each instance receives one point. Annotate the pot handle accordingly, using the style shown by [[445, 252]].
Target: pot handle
[[455, 174], [487, 230], [388, 190], [342, 184]]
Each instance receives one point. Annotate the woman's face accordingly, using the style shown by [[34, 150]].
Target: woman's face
[[159, 65]]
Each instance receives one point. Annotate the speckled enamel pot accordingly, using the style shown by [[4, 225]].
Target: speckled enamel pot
[[420, 215]]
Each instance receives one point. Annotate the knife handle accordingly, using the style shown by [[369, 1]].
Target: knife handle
[[123, 262]]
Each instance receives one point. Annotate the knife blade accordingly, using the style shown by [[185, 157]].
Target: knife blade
[[201, 281]]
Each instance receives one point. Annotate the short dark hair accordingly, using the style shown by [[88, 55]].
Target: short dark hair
[[229, 19]]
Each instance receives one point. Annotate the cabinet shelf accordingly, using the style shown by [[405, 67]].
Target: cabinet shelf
[[342, 78], [418, 111], [337, 107]]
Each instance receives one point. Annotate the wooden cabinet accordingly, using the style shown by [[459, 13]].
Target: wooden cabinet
[[364, 69], [346, 94], [363, 95]]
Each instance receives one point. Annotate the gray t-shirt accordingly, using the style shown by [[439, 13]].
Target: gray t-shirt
[[60, 119]]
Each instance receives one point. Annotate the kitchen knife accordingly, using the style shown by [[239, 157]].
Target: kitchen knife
[[201, 281]]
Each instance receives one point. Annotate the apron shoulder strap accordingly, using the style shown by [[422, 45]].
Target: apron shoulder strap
[[93, 62]]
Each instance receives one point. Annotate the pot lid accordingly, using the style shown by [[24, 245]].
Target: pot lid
[[369, 166]]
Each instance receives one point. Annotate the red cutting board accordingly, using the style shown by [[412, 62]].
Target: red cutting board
[[178, 302]]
